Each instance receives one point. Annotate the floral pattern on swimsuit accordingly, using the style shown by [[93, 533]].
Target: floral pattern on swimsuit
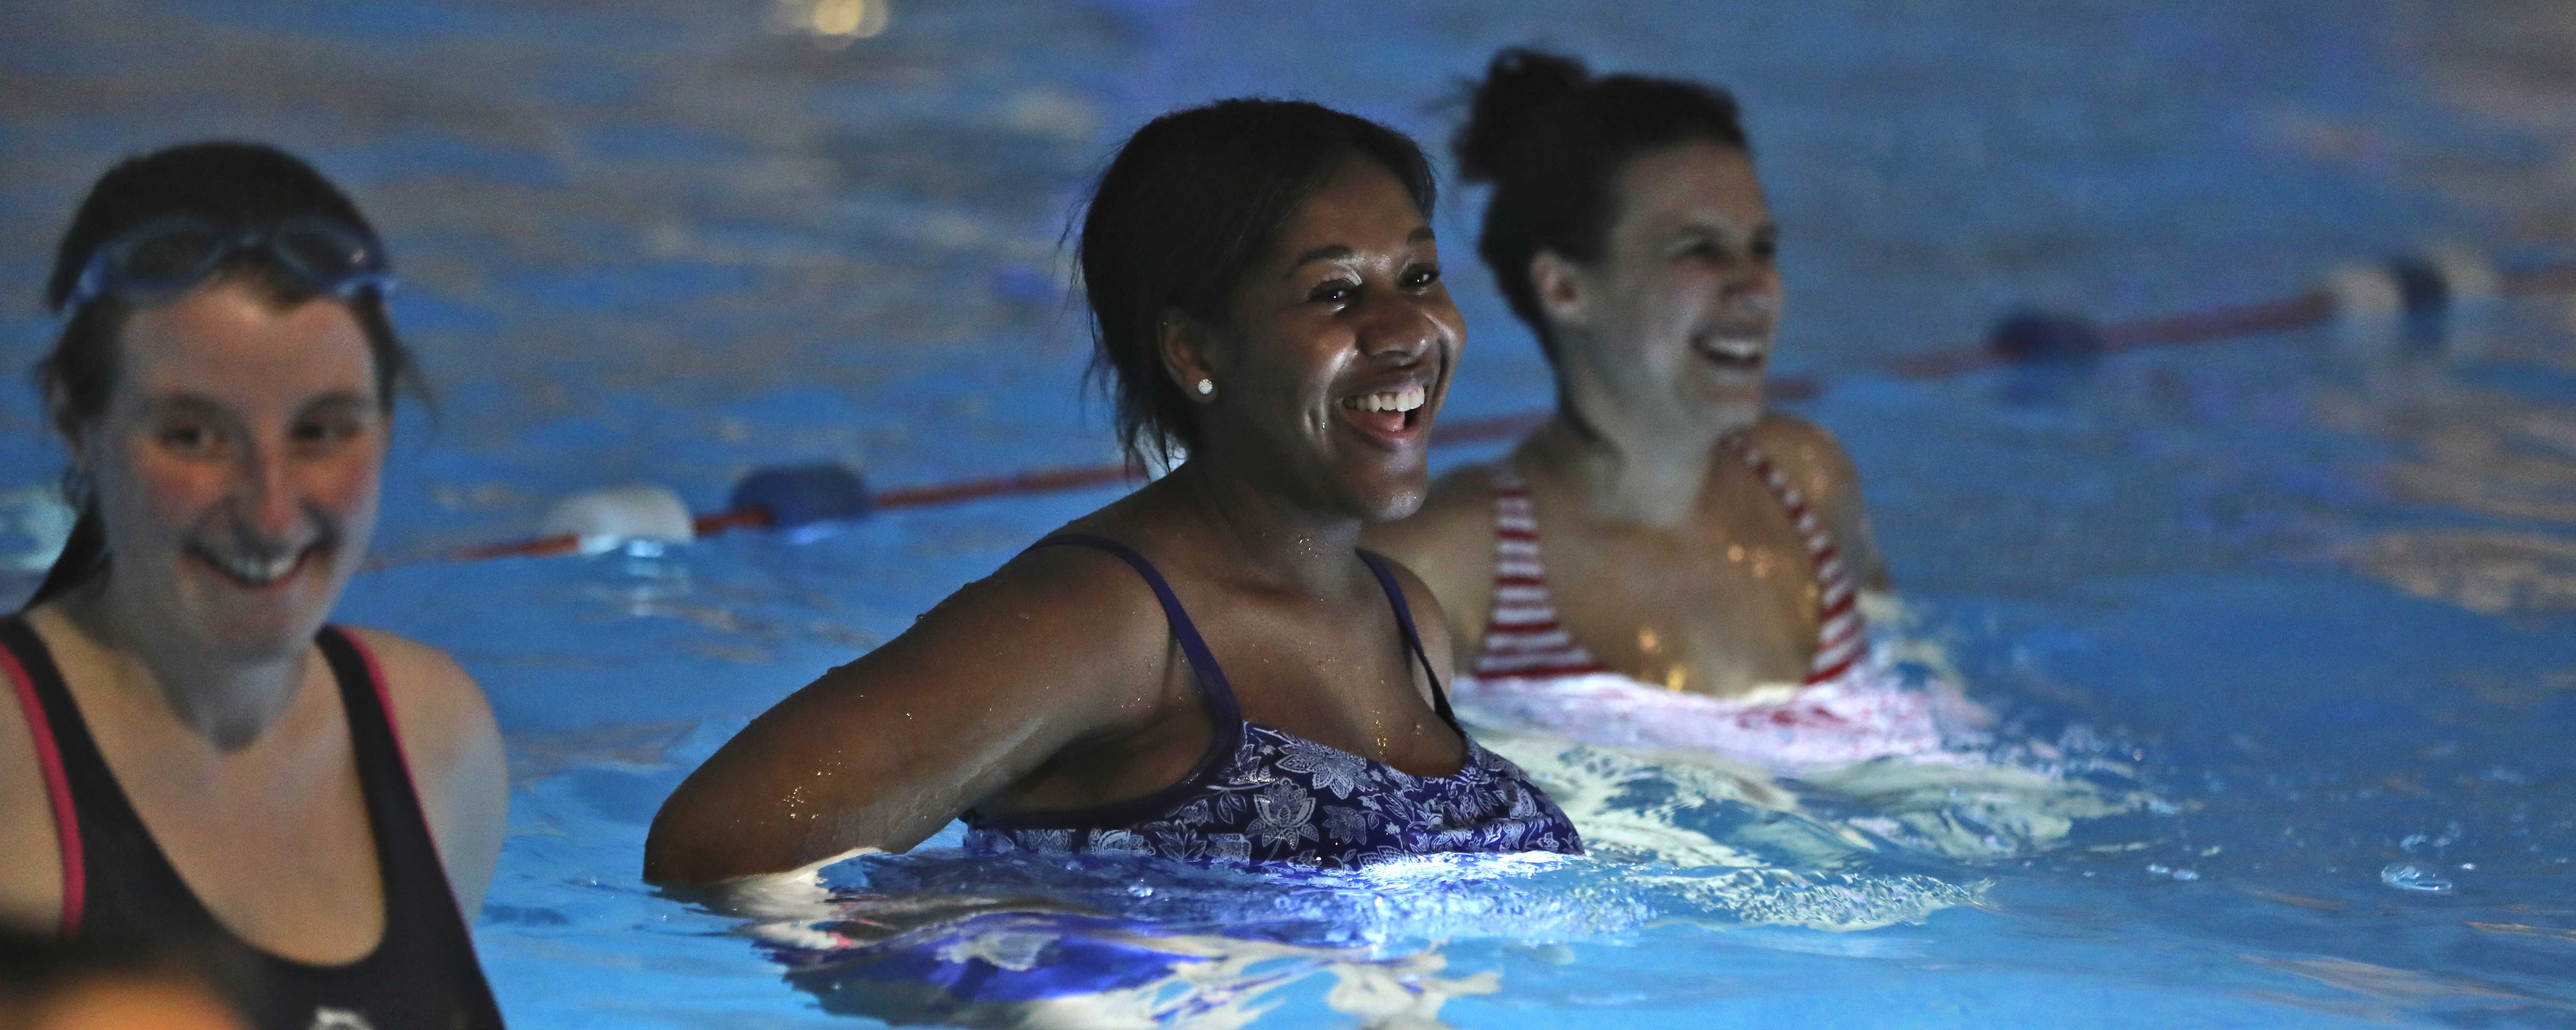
[[1281, 798], [1261, 795]]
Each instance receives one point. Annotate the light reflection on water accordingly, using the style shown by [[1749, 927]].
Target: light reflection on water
[[940, 937]]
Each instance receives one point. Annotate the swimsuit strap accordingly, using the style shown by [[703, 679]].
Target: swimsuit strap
[[1523, 638], [1385, 573], [406, 848], [1840, 642], [119, 885], [1220, 694], [65, 755]]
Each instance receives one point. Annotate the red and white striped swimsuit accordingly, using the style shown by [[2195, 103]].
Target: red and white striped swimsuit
[[1532, 677], [1524, 640]]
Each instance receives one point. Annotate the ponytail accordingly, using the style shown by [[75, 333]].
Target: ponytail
[[1553, 138]]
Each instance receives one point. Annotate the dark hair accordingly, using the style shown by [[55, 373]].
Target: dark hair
[[1552, 140], [235, 186], [1178, 220]]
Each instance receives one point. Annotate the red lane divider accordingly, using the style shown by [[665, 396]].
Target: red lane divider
[[1016, 484], [1038, 482], [2225, 322], [2219, 323], [2271, 316], [570, 543]]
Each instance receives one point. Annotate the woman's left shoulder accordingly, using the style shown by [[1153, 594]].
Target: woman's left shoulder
[[1808, 453], [437, 705], [452, 744], [1779, 431]]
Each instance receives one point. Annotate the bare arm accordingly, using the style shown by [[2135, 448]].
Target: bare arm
[[1060, 645], [1448, 546], [457, 765], [1816, 464]]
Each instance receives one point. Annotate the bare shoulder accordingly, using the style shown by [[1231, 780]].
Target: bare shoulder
[[1816, 464], [453, 747], [1059, 598], [1807, 453], [439, 709], [1791, 438], [1070, 631]]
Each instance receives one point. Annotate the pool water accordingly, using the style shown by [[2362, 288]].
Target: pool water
[[2279, 633]]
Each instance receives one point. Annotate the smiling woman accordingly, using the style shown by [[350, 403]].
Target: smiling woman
[[1209, 668], [195, 760], [1695, 541], [1666, 562]]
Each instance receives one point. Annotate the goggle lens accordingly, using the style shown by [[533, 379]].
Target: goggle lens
[[174, 258], [159, 260], [321, 254]]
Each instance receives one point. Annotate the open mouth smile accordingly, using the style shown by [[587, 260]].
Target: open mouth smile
[[1739, 352], [249, 572], [1390, 417]]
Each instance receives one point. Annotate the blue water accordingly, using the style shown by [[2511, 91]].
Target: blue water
[[2281, 632]]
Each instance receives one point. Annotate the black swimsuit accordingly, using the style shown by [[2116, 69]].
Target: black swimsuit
[[118, 886]]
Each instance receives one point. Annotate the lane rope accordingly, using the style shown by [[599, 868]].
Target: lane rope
[[2374, 298]]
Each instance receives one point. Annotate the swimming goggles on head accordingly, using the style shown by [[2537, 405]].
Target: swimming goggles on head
[[163, 258]]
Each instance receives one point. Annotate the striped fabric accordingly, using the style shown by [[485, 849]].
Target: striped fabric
[[1524, 640], [1839, 640]]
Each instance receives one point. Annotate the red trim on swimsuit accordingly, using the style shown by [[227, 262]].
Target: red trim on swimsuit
[[58, 789], [1523, 639], [376, 679], [393, 725]]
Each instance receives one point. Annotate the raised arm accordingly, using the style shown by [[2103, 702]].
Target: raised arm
[[1449, 546], [1061, 646]]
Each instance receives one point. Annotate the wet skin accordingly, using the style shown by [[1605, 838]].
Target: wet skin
[[236, 469], [1666, 556], [1056, 684]]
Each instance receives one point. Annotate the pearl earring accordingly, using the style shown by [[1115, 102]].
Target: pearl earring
[[1206, 387]]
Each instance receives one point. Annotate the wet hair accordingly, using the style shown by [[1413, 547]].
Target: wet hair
[[1552, 140], [1180, 217], [235, 186]]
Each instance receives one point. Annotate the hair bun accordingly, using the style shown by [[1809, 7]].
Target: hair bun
[[1518, 84]]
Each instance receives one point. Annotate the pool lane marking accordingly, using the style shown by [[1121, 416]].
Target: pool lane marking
[[2315, 307]]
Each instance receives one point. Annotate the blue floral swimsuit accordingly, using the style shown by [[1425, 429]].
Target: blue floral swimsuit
[[1261, 795]]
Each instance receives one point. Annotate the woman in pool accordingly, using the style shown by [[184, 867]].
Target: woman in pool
[[1208, 668], [1702, 554], [194, 759]]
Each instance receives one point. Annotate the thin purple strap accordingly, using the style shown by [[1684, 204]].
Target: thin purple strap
[[1412, 638], [1220, 694]]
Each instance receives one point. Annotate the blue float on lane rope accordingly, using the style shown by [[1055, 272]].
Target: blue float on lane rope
[[2033, 336], [797, 496]]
